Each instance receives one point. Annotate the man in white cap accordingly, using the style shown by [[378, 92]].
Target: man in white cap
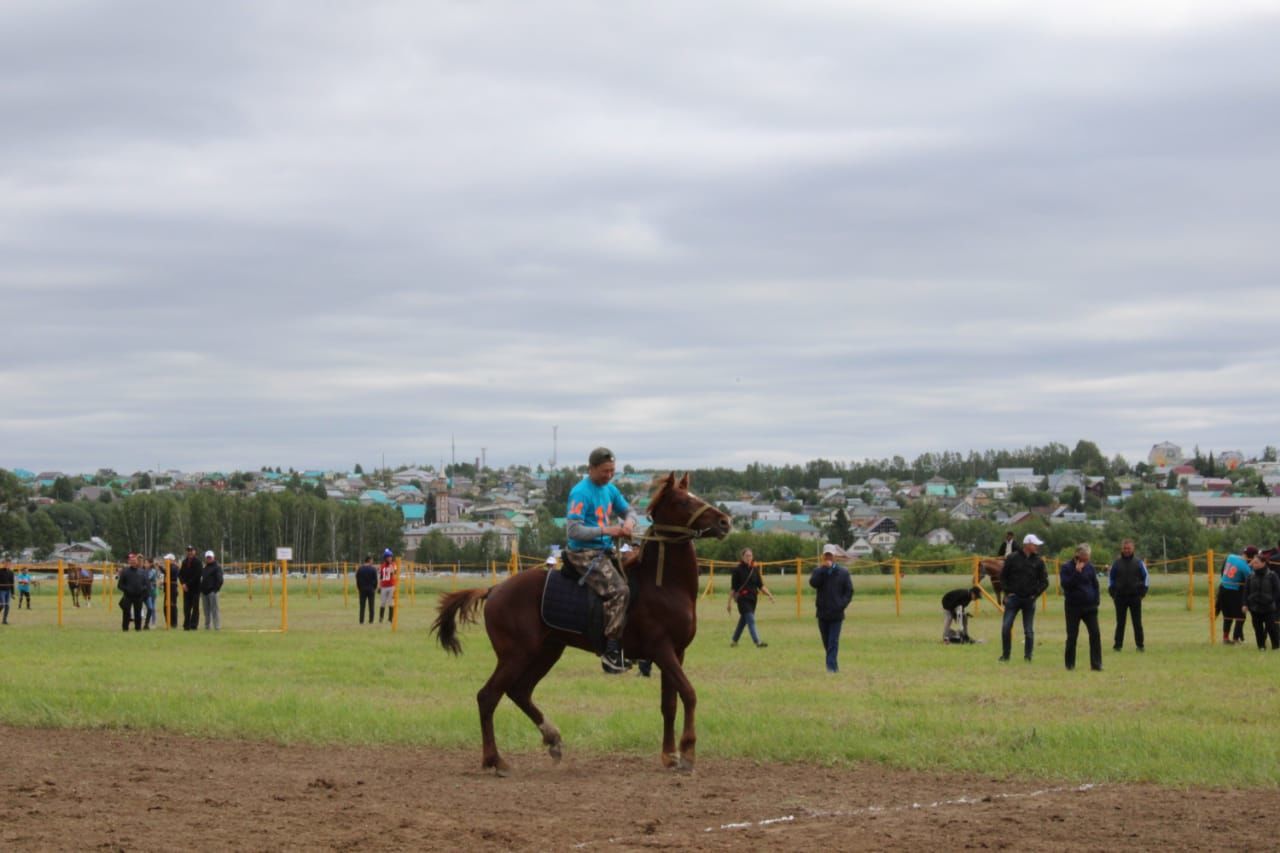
[[1024, 578], [210, 586]]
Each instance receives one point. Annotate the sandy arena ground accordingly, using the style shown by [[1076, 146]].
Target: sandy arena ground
[[123, 791]]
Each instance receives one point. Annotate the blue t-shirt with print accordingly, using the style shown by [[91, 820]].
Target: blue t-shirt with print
[[594, 506], [1235, 571]]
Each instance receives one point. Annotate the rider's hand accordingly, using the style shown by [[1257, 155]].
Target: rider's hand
[[628, 526]]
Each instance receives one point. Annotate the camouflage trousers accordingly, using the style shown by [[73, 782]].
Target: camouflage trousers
[[605, 580]]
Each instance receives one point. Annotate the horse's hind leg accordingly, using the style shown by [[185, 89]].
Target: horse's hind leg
[[507, 672], [522, 694]]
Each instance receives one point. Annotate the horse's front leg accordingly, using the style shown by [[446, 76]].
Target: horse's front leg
[[675, 682], [669, 756]]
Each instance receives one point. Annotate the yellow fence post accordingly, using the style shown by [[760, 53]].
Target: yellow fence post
[[284, 596], [897, 586], [1213, 617], [395, 600], [248, 576], [977, 580], [799, 590], [60, 585], [1191, 581], [168, 586]]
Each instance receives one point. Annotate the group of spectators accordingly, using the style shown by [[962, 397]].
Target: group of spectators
[[1250, 584], [1024, 578], [141, 580], [381, 580], [9, 583]]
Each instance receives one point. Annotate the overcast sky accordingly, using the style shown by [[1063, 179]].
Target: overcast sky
[[299, 234]]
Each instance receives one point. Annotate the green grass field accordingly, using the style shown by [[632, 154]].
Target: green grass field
[[1182, 713]]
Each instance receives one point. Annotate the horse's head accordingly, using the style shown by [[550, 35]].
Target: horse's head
[[673, 506]]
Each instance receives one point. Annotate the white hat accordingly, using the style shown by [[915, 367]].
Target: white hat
[[551, 561], [625, 549], [1032, 539], [208, 555], [832, 550]]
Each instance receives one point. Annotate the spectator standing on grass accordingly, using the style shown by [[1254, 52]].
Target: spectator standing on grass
[[24, 587], [1261, 599], [189, 579], [1024, 577], [1082, 595], [387, 573], [132, 586], [153, 588], [955, 610], [1230, 600], [835, 591], [1127, 585], [747, 584], [366, 586], [7, 584], [1008, 546], [210, 586]]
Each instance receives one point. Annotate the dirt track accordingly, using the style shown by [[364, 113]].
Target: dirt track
[[157, 792]]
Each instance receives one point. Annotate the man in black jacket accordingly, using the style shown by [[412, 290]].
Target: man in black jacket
[[132, 586], [366, 586], [1024, 578], [955, 604], [835, 591], [189, 581], [210, 586], [1127, 585]]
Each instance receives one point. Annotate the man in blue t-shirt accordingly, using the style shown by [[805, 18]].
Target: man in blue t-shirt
[[597, 512]]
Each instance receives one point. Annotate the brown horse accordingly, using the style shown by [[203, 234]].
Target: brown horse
[[661, 624], [80, 583], [991, 567]]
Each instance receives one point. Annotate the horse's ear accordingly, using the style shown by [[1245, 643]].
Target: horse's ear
[[684, 481], [671, 479]]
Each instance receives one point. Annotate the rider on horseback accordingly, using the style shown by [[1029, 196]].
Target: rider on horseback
[[590, 526]]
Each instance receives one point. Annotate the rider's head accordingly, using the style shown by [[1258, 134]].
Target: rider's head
[[601, 466]]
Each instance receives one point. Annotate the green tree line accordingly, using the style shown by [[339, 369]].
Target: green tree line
[[236, 527]]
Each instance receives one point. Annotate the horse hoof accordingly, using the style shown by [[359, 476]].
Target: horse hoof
[[683, 765], [555, 753], [670, 760]]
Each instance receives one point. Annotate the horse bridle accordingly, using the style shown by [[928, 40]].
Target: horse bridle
[[676, 534]]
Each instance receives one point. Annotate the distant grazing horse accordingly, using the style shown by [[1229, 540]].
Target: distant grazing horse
[[80, 583], [660, 626], [991, 567]]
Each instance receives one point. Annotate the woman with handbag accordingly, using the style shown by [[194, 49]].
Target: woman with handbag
[[747, 584]]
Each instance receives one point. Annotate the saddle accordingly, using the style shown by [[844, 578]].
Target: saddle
[[569, 605], [573, 607]]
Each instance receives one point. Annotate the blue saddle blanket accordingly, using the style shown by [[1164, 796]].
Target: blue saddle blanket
[[568, 606]]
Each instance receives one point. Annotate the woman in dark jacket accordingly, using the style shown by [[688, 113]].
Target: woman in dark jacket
[[1081, 595], [747, 584]]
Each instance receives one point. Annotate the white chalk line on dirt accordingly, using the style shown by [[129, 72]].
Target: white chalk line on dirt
[[814, 814]]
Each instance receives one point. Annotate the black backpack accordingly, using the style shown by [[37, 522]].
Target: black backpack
[[1262, 593]]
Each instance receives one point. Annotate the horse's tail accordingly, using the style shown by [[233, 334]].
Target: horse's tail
[[456, 607]]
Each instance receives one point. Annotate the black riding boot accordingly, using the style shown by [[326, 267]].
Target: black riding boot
[[381, 612], [391, 615], [612, 661]]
